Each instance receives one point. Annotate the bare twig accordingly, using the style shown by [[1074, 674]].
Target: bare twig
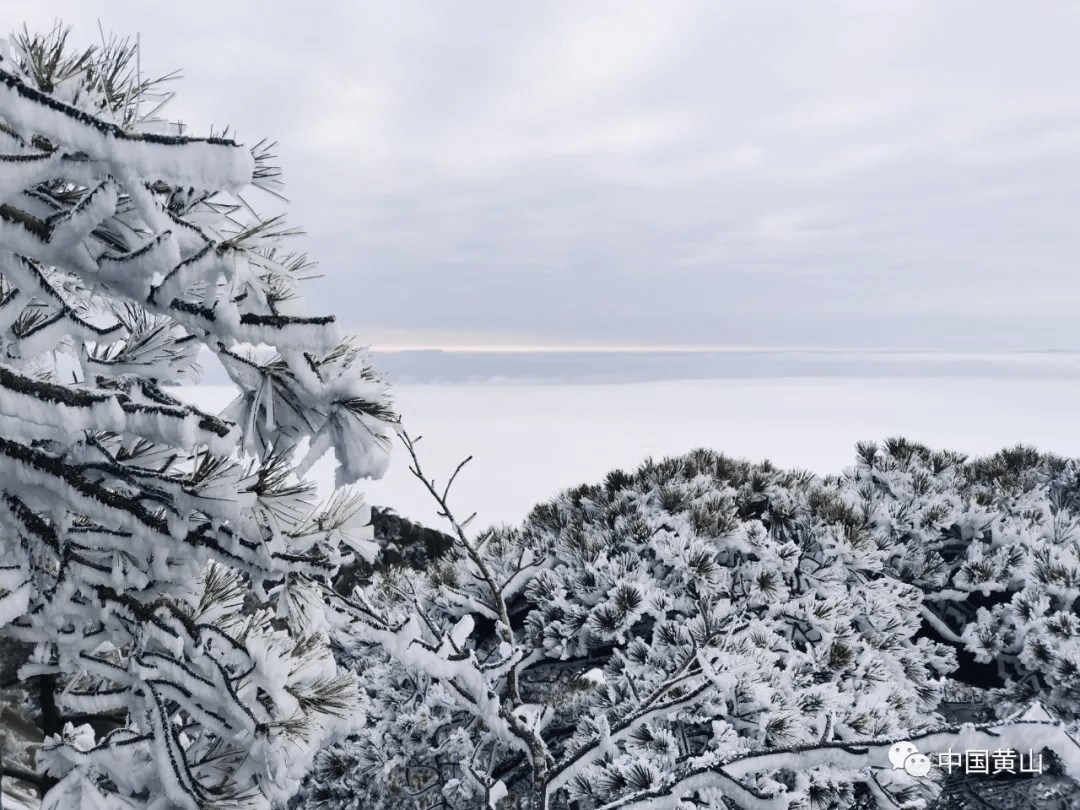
[[541, 759], [470, 551], [446, 491]]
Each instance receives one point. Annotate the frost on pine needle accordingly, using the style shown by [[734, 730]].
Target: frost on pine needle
[[169, 564], [705, 631]]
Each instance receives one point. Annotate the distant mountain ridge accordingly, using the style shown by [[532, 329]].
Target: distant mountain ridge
[[429, 366]]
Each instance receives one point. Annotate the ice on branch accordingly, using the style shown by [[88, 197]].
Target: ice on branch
[[709, 632], [168, 564]]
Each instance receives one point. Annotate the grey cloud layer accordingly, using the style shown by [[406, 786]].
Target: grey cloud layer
[[899, 174]]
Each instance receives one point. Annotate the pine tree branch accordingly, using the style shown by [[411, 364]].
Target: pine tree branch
[[540, 757], [14, 770]]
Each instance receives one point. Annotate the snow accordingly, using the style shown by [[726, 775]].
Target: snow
[[16, 175], [529, 441], [11, 803], [204, 165], [241, 679], [145, 493], [496, 793]]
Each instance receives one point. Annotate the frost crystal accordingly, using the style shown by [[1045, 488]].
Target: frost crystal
[[168, 563], [706, 627]]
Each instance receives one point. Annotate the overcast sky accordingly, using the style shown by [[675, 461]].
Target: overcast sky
[[653, 172]]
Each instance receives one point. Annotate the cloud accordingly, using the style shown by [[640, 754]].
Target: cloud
[[692, 172]]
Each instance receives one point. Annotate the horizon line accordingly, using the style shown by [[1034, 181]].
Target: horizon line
[[390, 348]]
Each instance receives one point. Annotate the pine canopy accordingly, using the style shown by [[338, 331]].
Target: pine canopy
[[709, 632], [166, 562]]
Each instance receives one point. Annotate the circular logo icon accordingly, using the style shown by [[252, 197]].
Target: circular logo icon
[[899, 752], [906, 757], [917, 765]]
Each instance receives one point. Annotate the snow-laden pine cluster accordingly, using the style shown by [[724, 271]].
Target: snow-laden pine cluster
[[994, 544], [168, 563], [708, 627]]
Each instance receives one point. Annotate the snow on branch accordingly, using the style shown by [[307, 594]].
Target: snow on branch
[[707, 630], [167, 562]]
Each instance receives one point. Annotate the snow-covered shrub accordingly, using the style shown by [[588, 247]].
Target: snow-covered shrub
[[706, 627], [995, 545], [634, 635], [168, 563]]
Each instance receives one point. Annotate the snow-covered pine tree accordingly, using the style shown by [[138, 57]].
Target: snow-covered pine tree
[[167, 563], [995, 544], [707, 632]]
